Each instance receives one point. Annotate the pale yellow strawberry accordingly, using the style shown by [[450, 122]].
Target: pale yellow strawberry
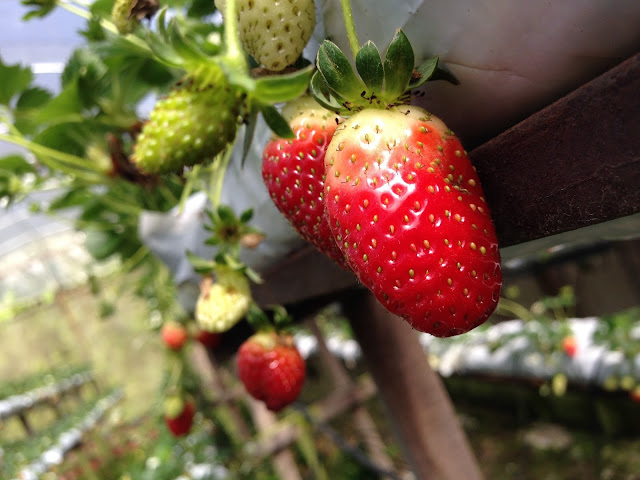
[[274, 32], [223, 302]]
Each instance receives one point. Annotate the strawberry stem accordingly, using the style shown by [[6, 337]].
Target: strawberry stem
[[350, 27], [56, 160], [216, 180], [104, 23], [506, 306], [232, 44]]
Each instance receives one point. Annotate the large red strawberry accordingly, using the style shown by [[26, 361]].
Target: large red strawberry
[[174, 335], [271, 369], [403, 200], [178, 415], [407, 209], [293, 171]]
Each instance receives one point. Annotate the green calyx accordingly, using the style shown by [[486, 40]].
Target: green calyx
[[378, 83]]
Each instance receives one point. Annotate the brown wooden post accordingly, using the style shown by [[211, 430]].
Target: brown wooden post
[[361, 418], [208, 368], [25, 423], [284, 463], [423, 416]]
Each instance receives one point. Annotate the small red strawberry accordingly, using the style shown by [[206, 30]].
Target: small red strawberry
[[406, 207], [208, 339], [178, 415], [293, 171], [174, 335], [271, 369], [569, 346]]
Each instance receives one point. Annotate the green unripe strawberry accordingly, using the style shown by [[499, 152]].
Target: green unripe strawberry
[[274, 32], [189, 126], [122, 18], [223, 303]]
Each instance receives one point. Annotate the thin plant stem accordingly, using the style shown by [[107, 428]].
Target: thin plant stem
[[106, 24], [118, 206], [231, 39], [350, 27], [192, 177], [216, 180], [134, 260], [57, 160], [509, 306]]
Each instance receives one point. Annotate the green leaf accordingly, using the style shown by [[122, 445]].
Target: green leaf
[[72, 198], [200, 265], [276, 122], [282, 88], [27, 109], [33, 97], [226, 215], [15, 79], [201, 8], [102, 8], [249, 132], [398, 66], [246, 216], [94, 31], [253, 275], [369, 66], [101, 244], [444, 74], [424, 72], [67, 106], [16, 164], [337, 72], [184, 46], [41, 9], [320, 92]]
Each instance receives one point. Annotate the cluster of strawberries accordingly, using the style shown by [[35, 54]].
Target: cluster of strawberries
[[383, 188], [391, 194], [269, 365]]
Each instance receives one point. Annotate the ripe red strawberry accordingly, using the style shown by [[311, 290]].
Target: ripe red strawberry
[[293, 171], [209, 339], [271, 369], [178, 415], [406, 207], [569, 346], [635, 394], [274, 33], [174, 335]]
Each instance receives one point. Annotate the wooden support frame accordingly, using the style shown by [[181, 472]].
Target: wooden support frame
[[573, 164], [424, 419]]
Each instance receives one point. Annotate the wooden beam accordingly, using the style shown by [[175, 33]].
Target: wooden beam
[[573, 164], [422, 415]]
